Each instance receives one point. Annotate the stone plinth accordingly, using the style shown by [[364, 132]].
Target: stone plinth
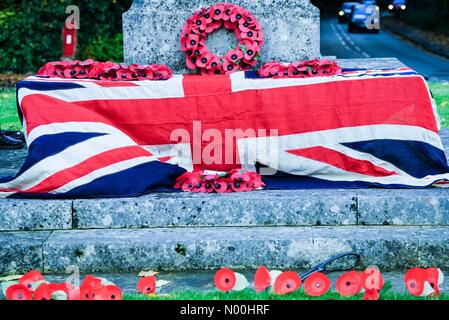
[[151, 30]]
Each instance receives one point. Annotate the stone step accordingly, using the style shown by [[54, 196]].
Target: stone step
[[261, 208], [127, 250]]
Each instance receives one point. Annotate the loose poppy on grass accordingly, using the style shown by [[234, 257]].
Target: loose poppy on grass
[[287, 282], [317, 284], [349, 284], [18, 292], [417, 284], [31, 277], [147, 285], [225, 279], [262, 279]]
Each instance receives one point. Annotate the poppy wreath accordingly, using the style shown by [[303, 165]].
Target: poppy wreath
[[300, 69], [90, 69], [247, 30], [233, 181]]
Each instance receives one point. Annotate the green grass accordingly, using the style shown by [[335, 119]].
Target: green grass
[[248, 294], [441, 94], [8, 109]]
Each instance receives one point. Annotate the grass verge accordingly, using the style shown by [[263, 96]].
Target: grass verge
[[248, 294], [8, 109]]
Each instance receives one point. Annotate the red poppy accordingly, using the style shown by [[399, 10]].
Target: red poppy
[[29, 278], [90, 288], [251, 35], [217, 11], [416, 282], [18, 292], [234, 55], [222, 185], [435, 278], [230, 67], [239, 186], [42, 292], [287, 282], [204, 60], [213, 26], [317, 284], [214, 64], [114, 292], [193, 42], [372, 279], [230, 25], [227, 12], [225, 279], [349, 284], [262, 279], [371, 295], [199, 23], [147, 285], [237, 14], [251, 51]]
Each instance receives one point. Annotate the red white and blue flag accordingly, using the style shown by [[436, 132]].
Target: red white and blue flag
[[362, 128]]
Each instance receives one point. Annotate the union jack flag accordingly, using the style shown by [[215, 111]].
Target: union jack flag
[[363, 128]]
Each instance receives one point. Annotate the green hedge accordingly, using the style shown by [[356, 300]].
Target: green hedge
[[30, 31]]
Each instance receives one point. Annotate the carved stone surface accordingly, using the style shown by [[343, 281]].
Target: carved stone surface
[[151, 30]]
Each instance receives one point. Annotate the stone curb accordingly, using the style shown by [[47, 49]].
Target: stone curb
[[390, 248], [261, 208]]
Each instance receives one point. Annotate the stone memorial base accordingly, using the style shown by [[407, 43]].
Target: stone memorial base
[[151, 30], [393, 229]]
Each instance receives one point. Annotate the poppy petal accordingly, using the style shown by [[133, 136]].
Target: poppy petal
[[262, 279], [30, 277], [225, 279], [43, 292], [274, 274], [241, 282]]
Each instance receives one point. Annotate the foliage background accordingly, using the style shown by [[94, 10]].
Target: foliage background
[[31, 31]]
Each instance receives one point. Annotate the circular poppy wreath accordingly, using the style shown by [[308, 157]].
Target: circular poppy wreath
[[247, 30]]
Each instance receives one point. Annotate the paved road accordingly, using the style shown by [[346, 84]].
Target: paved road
[[336, 41]]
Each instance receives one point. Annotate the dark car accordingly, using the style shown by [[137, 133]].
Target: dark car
[[397, 6], [364, 18], [345, 12]]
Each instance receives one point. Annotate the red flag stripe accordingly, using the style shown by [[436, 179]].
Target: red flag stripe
[[99, 161], [342, 161]]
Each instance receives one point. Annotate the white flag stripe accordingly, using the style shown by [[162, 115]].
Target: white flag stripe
[[351, 134], [240, 83], [320, 170], [62, 127], [172, 88]]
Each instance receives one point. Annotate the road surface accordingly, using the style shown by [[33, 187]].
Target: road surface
[[336, 41]]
